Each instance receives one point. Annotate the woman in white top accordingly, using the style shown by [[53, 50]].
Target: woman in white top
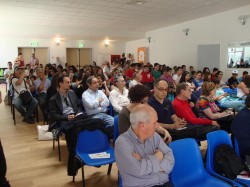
[[119, 95]]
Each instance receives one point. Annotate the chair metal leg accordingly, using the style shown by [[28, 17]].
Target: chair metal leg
[[74, 178], [109, 169], [83, 179], [36, 114], [54, 143], [14, 115], [59, 149]]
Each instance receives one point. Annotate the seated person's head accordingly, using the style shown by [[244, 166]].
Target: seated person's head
[[92, 83], [183, 91], [160, 89], [139, 94], [143, 119], [208, 88], [119, 81], [64, 83], [137, 75], [216, 83]]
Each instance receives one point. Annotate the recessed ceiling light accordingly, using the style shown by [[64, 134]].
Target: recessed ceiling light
[[136, 2]]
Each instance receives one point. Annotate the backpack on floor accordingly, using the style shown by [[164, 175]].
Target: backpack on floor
[[226, 162]]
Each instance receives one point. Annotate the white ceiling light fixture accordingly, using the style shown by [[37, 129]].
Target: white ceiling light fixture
[[136, 2], [58, 41], [106, 42], [243, 19]]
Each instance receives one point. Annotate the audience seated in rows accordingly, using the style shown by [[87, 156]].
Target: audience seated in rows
[[183, 109], [177, 127]]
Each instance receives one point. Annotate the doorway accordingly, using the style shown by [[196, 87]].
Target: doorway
[[79, 57], [42, 53]]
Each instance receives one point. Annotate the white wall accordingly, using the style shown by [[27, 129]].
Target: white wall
[[171, 46], [9, 48], [131, 47]]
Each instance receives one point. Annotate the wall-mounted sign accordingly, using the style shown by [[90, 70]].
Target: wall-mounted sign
[[34, 44], [80, 45]]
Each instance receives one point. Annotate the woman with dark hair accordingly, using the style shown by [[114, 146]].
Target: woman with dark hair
[[138, 94], [219, 76], [46, 70], [186, 79], [102, 85], [197, 82], [208, 109], [82, 86], [207, 77], [206, 70]]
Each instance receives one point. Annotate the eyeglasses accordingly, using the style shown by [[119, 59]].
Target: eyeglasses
[[162, 89], [66, 101]]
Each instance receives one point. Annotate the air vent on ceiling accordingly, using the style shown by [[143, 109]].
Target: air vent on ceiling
[[136, 2]]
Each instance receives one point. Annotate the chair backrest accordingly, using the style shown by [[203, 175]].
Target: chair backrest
[[188, 162], [92, 142], [116, 131], [214, 139], [236, 147]]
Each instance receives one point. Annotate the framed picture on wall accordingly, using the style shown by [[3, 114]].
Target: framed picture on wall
[[142, 55]]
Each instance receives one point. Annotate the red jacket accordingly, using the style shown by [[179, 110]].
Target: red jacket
[[146, 77], [183, 110]]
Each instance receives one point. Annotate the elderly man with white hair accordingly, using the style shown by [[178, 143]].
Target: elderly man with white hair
[[142, 157]]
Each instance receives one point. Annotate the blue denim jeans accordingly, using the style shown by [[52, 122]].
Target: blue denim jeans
[[107, 119], [20, 108]]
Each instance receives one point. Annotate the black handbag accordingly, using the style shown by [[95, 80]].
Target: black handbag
[[25, 95]]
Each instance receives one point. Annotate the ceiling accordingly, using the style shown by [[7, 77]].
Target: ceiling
[[100, 19]]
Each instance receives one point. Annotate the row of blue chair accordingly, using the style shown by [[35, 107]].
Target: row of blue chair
[[189, 170]]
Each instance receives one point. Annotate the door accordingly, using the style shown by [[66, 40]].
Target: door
[[72, 56], [42, 54], [85, 56], [26, 51]]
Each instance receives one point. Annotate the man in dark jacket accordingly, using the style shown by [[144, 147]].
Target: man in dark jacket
[[66, 110]]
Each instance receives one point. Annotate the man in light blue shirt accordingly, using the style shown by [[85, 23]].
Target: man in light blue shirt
[[95, 102], [142, 157], [41, 85]]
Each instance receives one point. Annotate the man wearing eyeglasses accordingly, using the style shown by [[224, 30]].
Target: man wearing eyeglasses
[[167, 118]]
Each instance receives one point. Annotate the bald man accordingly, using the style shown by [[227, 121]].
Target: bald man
[[142, 157]]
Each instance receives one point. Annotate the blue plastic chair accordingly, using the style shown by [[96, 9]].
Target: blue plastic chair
[[115, 136], [214, 139], [188, 168], [116, 131], [90, 142], [236, 147]]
